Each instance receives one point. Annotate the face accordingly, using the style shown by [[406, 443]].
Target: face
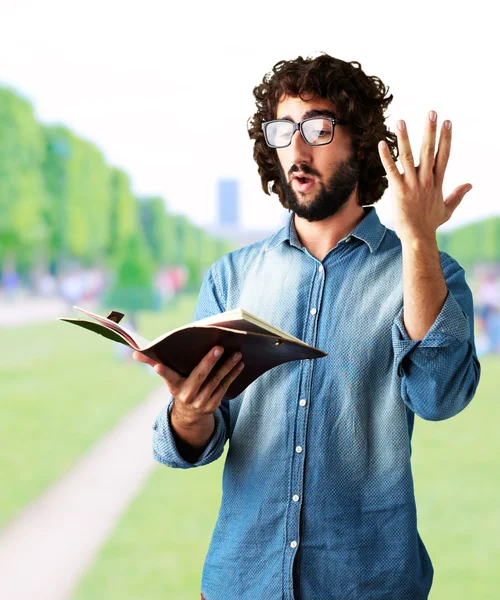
[[334, 169]]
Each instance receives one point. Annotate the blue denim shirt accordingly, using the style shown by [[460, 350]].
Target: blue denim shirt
[[318, 500]]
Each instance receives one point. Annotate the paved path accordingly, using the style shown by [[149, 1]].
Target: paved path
[[33, 309], [47, 549]]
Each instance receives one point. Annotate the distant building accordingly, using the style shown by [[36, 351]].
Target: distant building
[[228, 216], [228, 203]]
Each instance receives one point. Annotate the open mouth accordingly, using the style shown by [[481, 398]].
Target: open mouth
[[303, 184]]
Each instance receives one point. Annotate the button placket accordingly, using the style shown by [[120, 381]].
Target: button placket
[[298, 462]]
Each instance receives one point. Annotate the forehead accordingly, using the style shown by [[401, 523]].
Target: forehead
[[295, 108]]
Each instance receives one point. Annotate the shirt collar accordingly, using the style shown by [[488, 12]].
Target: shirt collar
[[370, 230]]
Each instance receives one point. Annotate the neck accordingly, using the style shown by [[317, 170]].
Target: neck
[[319, 237]]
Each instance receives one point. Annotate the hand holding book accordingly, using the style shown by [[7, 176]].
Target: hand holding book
[[201, 393], [182, 350], [196, 398]]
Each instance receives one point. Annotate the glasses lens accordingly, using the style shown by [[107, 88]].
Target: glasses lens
[[318, 131], [279, 133]]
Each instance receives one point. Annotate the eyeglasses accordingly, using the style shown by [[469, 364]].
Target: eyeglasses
[[315, 131]]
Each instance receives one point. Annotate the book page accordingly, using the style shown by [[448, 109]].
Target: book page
[[135, 339]]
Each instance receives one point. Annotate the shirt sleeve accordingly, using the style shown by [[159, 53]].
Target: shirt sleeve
[[439, 374], [210, 302]]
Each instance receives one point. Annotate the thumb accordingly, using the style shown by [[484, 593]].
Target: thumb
[[171, 377], [454, 199]]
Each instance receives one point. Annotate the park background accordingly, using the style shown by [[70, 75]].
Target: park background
[[119, 125]]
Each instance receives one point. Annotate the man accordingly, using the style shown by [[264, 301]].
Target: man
[[318, 499]]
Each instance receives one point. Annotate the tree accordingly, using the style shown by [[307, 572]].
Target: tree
[[133, 288], [124, 214], [23, 231], [160, 230], [78, 184]]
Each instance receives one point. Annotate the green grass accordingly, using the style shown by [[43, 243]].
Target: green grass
[[62, 388], [456, 471], [159, 546]]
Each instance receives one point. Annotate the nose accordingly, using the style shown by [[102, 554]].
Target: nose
[[298, 150]]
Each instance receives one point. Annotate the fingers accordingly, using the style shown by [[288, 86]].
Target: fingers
[[388, 163], [431, 165], [136, 355], [205, 383], [222, 388], [217, 385], [428, 148], [201, 393], [172, 379], [205, 378], [405, 153], [443, 153], [454, 199]]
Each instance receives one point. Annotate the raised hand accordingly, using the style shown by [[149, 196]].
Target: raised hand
[[417, 193]]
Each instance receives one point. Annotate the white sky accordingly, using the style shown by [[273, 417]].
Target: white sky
[[141, 79]]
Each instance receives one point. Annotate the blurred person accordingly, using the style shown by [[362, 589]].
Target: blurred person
[[165, 285], [10, 282], [488, 297], [318, 497], [46, 285], [481, 339]]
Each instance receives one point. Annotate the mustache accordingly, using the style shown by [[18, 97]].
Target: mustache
[[305, 169]]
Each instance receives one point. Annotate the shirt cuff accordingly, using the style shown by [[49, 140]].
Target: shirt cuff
[[164, 447], [451, 326]]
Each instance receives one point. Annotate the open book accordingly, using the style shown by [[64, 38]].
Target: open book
[[262, 346]]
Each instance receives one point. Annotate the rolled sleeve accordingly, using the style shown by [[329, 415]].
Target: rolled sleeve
[[440, 373], [164, 447]]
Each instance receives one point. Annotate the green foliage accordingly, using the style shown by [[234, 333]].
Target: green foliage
[[124, 219], [60, 202], [491, 240], [134, 288], [78, 183], [159, 229], [474, 242], [89, 202], [23, 199]]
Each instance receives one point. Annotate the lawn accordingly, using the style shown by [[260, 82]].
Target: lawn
[[158, 548], [63, 388]]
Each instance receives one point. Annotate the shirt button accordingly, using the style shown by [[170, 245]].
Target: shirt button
[[293, 544], [295, 498], [302, 402], [298, 449], [320, 268], [313, 311]]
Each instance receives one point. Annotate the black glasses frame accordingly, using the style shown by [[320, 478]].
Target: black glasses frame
[[299, 127]]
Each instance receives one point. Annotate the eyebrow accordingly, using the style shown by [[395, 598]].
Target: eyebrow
[[313, 113]]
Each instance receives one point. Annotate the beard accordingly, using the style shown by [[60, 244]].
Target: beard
[[329, 198]]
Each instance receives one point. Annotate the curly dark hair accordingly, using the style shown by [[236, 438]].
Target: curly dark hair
[[358, 98]]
